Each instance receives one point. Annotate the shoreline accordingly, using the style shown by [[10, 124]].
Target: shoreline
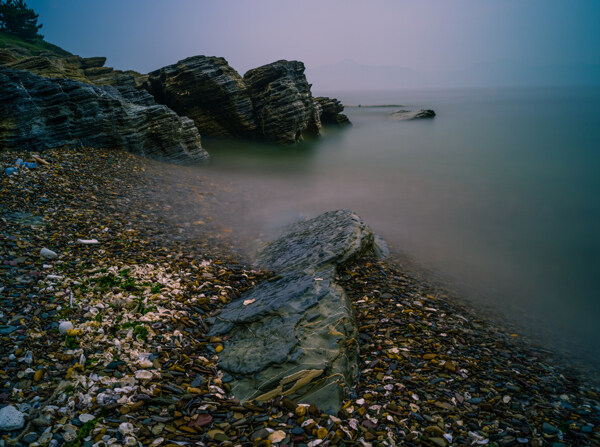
[[422, 371]]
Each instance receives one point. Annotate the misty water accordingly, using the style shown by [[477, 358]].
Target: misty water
[[498, 195]]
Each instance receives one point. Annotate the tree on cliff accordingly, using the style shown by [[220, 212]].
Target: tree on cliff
[[19, 20]]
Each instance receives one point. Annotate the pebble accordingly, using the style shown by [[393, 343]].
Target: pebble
[[65, 326], [48, 254], [11, 419]]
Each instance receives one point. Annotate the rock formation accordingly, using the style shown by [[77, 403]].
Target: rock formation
[[413, 114], [271, 103], [38, 113], [296, 336], [207, 90], [283, 105], [332, 111]]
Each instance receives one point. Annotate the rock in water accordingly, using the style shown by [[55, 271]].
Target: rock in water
[[332, 111], [207, 90], [284, 109], [38, 113], [413, 114], [296, 336], [11, 419]]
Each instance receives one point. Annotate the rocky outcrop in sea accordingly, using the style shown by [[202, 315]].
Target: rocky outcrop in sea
[[283, 104], [296, 336], [207, 90], [272, 102], [38, 113]]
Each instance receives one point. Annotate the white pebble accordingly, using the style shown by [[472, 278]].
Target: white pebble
[[11, 419], [64, 326], [48, 254]]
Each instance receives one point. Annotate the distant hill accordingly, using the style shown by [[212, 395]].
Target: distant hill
[[21, 48]]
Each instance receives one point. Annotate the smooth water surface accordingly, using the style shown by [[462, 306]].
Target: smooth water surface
[[499, 194]]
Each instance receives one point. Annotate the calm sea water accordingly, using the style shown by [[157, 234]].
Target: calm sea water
[[499, 194]]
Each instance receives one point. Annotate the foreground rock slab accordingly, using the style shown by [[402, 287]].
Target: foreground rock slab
[[296, 336], [37, 113]]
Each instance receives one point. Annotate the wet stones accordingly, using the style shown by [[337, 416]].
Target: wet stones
[[296, 336]]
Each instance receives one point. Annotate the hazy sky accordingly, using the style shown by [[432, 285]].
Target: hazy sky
[[424, 35]]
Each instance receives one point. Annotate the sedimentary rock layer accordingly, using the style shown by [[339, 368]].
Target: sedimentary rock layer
[[38, 113], [207, 90], [283, 105]]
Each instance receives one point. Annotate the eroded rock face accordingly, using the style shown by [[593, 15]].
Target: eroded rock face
[[283, 104], [38, 113], [207, 90], [296, 336]]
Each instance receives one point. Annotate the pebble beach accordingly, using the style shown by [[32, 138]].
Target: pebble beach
[[103, 331]]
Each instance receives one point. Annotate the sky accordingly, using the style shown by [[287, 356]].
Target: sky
[[435, 40]]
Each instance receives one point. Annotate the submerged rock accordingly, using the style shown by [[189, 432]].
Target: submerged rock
[[283, 105], [413, 114], [296, 336], [37, 113], [207, 90]]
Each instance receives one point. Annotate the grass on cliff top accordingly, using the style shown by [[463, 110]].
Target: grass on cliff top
[[33, 48]]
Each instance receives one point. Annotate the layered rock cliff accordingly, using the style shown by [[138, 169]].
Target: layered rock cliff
[[272, 102], [207, 90], [38, 113], [283, 104]]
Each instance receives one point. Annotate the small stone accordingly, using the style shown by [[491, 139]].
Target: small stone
[[219, 348], [86, 417], [38, 375], [441, 442], [30, 437], [48, 254], [300, 411], [64, 326], [11, 419], [277, 436], [126, 428], [321, 433], [549, 429]]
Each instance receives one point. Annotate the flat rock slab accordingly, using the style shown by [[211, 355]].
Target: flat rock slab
[[296, 336]]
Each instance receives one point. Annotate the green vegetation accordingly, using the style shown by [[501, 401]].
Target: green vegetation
[[19, 20], [83, 433], [22, 48]]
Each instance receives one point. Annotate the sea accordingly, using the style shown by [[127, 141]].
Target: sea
[[498, 197]]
